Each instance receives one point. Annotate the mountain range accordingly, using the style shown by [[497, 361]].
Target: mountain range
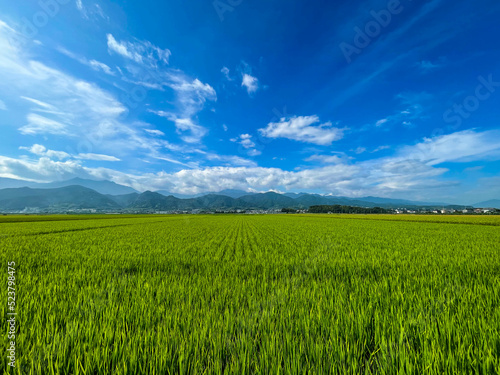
[[494, 203], [104, 196], [102, 187]]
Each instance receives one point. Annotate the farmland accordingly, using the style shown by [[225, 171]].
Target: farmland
[[242, 294]]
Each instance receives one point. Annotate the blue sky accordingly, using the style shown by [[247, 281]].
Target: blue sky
[[353, 98]]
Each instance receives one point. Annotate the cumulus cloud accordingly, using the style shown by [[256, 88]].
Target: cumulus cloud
[[250, 83], [41, 150], [41, 170], [410, 171], [247, 143], [308, 129]]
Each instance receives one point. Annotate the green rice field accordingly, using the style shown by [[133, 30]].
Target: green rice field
[[253, 294]]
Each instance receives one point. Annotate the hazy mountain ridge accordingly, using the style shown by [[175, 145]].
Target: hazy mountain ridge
[[100, 186], [80, 197], [493, 203], [65, 198]]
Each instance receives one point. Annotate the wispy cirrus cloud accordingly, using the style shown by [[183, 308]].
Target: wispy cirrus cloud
[[142, 52], [96, 157], [414, 108], [42, 151], [42, 125], [185, 127], [427, 66], [93, 10], [93, 64], [155, 132], [148, 68], [337, 158], [226, 72], [60, 104]]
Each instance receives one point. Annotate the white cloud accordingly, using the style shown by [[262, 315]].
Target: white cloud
[[38, 103], [98, 157], [99, 66], [186, 128], [250, 83], [40, 150], [139, 51], [226, 71], [67, 106], [41, 125], [303, 129], [93, 10], [246, 141], [93, 64], [155, 132], [326, 159], [411, 171], [426, 66], [41, 170], [248, 145], [90, 120], [380, 148], [3, 107], [147, 67], [196, 132], [191, 96], [464, 146], [121, 49], [414, 110]]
